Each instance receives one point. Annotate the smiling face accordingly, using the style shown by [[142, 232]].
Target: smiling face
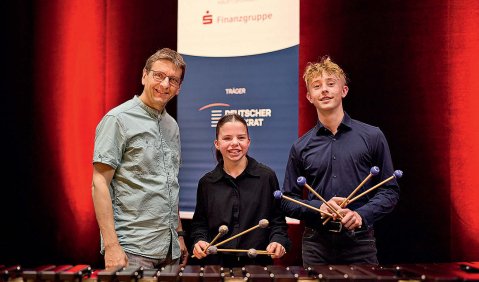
[[156, 94], [326, 91], [232, 141]]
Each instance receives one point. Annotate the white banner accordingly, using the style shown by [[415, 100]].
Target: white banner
[[242, 57]]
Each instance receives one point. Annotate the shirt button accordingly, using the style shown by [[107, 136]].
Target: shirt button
[[334, 157], [334, 176]]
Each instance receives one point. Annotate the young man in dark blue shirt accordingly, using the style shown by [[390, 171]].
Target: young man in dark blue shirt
[[336, 156]]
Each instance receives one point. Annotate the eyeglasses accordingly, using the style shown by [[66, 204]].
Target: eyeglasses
[[159, 76]]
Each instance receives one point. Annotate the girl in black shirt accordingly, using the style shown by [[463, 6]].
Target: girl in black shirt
[[238, 193]]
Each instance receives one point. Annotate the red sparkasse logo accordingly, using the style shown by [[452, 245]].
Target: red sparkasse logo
[[207, 18]]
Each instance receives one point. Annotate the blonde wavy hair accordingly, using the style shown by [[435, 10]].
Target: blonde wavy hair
[[314, 69]]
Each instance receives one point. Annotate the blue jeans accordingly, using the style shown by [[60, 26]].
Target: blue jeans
[[345, 247]]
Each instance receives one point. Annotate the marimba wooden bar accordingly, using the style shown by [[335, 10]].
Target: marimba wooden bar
[[444, 272]]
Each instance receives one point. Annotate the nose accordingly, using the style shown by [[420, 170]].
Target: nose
[[165, 82]]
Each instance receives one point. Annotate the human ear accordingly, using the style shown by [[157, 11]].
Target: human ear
[[345, 91], [308, 96]]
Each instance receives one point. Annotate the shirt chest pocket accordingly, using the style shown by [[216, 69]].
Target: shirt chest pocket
[[154, 156], [144, 155]]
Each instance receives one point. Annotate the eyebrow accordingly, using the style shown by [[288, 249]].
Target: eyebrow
[[229, 135]]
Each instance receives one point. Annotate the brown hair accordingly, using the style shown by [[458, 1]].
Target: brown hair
[[170, 55], [224, 119]]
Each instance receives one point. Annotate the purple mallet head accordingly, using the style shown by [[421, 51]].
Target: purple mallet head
[[277, 194], [374, 170], [301, 180], [212, 250], [398, 173]]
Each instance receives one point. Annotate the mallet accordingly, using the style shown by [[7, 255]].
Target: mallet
[[262, 223], [278, 195], [372, 172], [222, 230], [251, 252], [302, 182], [396, 174]]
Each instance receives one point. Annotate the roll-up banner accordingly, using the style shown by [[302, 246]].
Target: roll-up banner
[[242, 57]]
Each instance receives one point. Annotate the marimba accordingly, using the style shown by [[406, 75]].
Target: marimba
[[456, 271]]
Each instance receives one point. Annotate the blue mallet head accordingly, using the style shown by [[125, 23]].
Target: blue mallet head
[[374, 170], [398, 173], [301, 180], [277, 194]]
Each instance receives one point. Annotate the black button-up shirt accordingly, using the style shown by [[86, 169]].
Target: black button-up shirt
[[334, 165], [239, 204]]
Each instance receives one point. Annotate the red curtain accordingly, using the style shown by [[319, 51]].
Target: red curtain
[[413, 69], [70, 99], [463, 99]]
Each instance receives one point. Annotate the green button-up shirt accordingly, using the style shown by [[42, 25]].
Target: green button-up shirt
[[143, 146]]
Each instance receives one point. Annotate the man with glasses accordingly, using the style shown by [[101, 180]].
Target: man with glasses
[[136, 162]]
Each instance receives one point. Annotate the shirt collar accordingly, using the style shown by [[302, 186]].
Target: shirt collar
[[151, 111], [251, 169], [345, 124]]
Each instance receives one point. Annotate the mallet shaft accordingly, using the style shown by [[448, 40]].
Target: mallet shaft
[[344, 203], [371, 189]]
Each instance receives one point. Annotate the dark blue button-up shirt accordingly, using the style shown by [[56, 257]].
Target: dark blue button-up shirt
[[334, 165]]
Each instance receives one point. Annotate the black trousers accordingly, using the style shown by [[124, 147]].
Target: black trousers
[[321, 246]]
